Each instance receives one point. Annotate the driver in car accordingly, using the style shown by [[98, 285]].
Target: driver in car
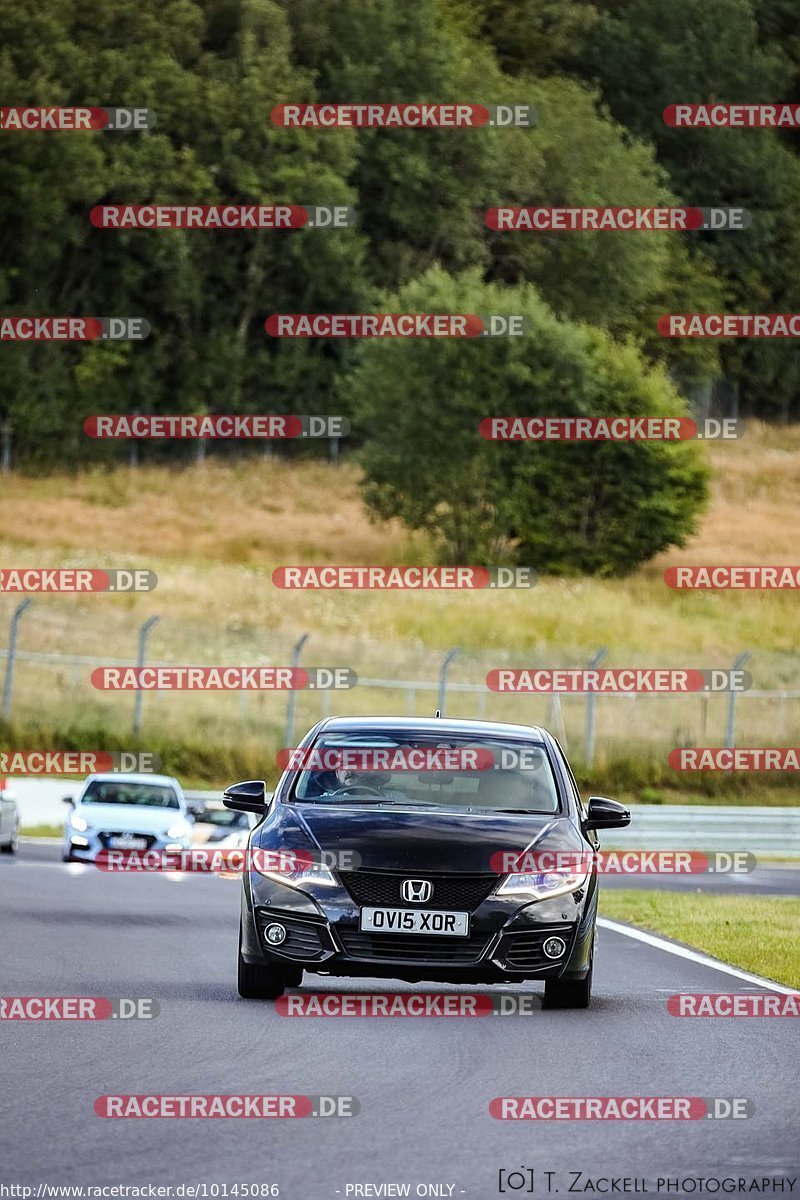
[[344, 780]]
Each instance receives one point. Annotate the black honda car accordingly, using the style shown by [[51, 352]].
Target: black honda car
[[418, 850]]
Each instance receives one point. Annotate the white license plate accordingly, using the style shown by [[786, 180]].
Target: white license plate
[[126, 842], [413, 920]]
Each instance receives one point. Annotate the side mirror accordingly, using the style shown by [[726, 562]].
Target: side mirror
[[68, 800], [250, 796], [606, 814]]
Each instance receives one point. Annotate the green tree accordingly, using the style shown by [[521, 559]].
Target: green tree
[[601, 508], [211, 75], [645, 56]]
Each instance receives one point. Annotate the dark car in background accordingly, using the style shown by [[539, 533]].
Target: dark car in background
[[431, 873], [9, 820], [217, 826]]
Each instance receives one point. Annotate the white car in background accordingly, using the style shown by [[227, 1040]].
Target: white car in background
[[9, 820], [126, 812]]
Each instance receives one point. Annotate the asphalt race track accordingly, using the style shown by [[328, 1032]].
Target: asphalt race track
[[424, 1084]]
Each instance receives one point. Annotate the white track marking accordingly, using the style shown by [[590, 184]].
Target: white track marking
[[693, 955]]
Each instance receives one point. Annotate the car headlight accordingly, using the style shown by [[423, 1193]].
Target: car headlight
[[179, 829], [540, 885], [79, 823], [297, 874]]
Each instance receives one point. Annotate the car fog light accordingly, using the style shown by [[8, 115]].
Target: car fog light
[[81, 842], [275, 934], [554, 947]]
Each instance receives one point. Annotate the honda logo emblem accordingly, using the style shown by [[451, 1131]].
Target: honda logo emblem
[[416, 891]]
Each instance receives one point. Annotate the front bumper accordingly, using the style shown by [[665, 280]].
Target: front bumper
[[505, 941], [85, 846]]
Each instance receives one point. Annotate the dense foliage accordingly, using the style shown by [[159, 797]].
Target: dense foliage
[[599, 75]]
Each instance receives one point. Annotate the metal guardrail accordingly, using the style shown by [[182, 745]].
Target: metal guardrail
[[711, 827], [773, 831]]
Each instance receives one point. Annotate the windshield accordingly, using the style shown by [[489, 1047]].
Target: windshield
[[224, 817], [490, 774], [142, 795]]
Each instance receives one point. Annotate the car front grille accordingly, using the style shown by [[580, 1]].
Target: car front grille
[[411, 948], [453, 893]]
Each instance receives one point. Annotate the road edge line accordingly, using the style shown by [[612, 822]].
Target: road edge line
[[705, 960]]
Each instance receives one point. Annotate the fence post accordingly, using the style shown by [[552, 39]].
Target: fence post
[[451, 655], [5, 453], [133, 447], [730, 724], [591, 699], [144, 633], [291, 703], [557, 718], [11, 654]]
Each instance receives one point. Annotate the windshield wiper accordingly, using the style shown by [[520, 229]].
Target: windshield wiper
[[531, 812]]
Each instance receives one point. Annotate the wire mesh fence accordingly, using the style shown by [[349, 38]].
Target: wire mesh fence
[[44, 685]]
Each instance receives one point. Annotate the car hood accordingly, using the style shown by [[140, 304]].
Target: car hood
[[404, 839], [129, 818]]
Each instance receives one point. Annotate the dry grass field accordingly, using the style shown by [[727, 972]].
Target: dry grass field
[[214, 532]]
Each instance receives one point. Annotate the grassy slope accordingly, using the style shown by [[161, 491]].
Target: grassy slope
[[214, 532]]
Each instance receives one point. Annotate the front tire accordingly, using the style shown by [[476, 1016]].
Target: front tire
[[264, 982], [13, 846], [569, 993]]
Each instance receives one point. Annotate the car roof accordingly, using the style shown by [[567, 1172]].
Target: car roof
[[432, 725], [131, 777]]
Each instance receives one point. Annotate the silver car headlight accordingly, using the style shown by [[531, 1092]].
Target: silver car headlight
[[178, 830], [79, 823]]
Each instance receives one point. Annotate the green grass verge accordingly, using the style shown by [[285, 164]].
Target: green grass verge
[[757, 933], [42, 831], [203, 761]]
